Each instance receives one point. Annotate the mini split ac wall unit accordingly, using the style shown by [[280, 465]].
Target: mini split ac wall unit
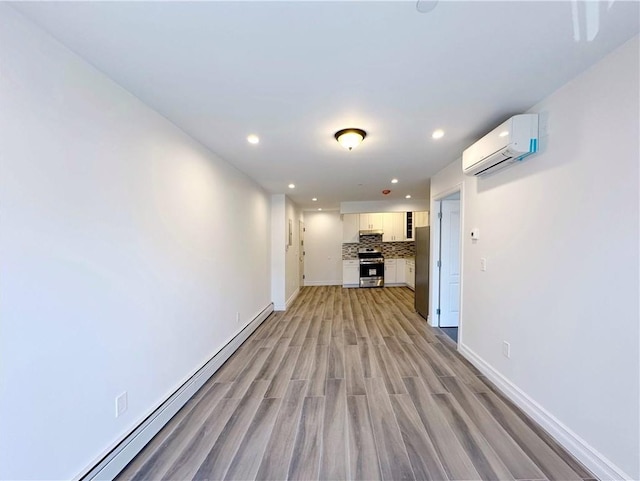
[[508, 143]]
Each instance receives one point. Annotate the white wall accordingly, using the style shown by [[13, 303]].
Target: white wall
[[292, 254], [323, 247], [126, 250], [285, 274], [560, 233]]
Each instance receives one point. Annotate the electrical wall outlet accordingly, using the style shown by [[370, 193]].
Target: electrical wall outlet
[[506, 349], [121, 404], [483, 264]]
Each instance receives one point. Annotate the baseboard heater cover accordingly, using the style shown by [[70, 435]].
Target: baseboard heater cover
[[123, 453]]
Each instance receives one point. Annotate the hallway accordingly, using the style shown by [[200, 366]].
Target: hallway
[[350, 384]]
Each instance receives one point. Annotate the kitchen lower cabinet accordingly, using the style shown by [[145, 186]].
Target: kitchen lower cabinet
[[390, 272], [350, 273], [410, 273], [401, 275]]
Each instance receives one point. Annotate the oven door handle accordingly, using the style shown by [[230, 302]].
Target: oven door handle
[[373, 261]]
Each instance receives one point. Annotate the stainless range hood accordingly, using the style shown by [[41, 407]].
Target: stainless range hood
[[370, 232]]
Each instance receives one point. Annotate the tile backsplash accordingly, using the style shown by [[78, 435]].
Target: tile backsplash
[[391, 250]]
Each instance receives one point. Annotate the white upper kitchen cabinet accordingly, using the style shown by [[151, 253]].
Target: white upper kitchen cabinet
[[393, 227], [350, 228], [371, 221], [420, 219]]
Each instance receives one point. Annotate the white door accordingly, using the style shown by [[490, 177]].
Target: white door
[[450, 264]]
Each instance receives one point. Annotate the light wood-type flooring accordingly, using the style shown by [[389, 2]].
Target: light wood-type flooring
[[350, 384]]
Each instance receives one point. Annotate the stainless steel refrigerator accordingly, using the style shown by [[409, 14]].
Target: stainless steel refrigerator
[[422, 239]]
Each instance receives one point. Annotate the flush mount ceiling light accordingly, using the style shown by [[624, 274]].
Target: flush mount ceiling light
[[394, 181], [292, 186], [350, 138], [438, 134], [253, 139]]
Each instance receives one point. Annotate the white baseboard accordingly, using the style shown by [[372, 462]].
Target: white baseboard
[[322, 283], [124, 451], [602, 467], [292, 298]]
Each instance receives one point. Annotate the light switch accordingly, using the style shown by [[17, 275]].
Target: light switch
[[483, 263]]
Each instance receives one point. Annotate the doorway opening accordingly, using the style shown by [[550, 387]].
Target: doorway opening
[[449, 265]]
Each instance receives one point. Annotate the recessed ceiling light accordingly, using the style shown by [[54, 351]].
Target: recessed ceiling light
[[394, 181], [438, 134], [504, 133], [408, 196], [319, 208], [315, 199], [253, 139], [292, 186]]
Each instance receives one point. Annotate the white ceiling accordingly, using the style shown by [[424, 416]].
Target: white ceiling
[[296, 72]]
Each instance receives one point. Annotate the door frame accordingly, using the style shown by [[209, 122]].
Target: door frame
[[301, 252], [434, 294]]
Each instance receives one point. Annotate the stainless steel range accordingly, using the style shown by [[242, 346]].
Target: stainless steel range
[[371, 267]]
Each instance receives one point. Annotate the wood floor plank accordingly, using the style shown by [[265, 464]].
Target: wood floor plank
[[273, 360], [424, 459], [454, 459], [328, 308], [368, 358], [363, 455], [280, 381], [433, 357], [240, 386], [324, 336], [278, 335], [221, 454], [394, 461], [277, 456], [518, 463], [335, 369], [354, 372], [238, 361], [179, 436], [358, 317], [365, 407], [190, 459], [461, 370], [425, 371], [247, 459], [300, 333], [402, 361], [305, 460], [390, 374], [333, 462], [573, 463], [314, 327], [552, 465], [485, 460], [304, 363]]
